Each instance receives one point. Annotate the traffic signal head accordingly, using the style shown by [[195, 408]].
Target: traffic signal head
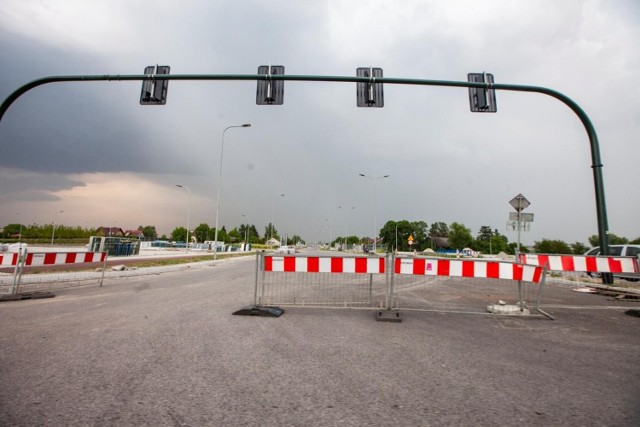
[[369, 94], [270, 92], [482, 99], [154, 92]]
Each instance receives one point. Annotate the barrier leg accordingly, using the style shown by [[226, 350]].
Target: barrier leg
[[255, 309], [104, 267], [539, 297], [520, 296], [389, 315]]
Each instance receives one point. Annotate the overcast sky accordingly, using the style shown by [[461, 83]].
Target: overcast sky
[[93, 152]]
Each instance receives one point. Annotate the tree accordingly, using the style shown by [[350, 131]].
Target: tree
[[235, 236], [149, 231], [403, 229], [438, 230], [459, 236], [12, 230], [579, 248], [295, 240], [250, 231], [547, 246], [485, 234], [511, 249], [179, 234], [270, 231], [202, 232], [613, 240]]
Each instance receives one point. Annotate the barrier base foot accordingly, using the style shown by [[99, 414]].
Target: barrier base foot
[[254, 310], [633, 312], [388, 316], [27, 295]]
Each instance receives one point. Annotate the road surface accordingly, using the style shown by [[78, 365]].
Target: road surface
[[164, 350]]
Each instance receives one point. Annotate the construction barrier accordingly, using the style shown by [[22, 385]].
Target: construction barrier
[[390, 283], [15, 269], [583, 263], [320, 281]]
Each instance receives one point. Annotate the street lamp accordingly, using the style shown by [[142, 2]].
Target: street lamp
[[375, 220], [188, 213], [215, 238], [345, 241], [53, 229], [273, 203], [246, 232]]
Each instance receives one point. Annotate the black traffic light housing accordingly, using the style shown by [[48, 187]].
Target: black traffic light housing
[[482, 99], [270, 92], [369, 94], [154, 92]]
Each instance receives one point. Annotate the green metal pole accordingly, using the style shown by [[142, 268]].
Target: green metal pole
[[596, 163]]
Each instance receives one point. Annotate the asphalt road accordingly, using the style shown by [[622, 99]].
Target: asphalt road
[[164, 350]]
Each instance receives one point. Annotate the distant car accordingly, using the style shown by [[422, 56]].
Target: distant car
[[286, 250], [619, 250]]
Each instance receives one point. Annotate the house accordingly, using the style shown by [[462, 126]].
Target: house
[[134, 234], [110, 232], [273, 242]]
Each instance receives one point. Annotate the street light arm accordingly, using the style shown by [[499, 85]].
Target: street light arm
[[215, 238]]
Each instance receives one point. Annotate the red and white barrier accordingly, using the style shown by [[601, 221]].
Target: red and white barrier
[[293, 264], [8, 259], [590, 264], [468, 268], [53, 258]]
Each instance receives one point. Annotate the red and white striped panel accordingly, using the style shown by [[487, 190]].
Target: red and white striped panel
[[54, 258], [468, 268], [62, 258], [293, 264], [591, 264], [8, 259]]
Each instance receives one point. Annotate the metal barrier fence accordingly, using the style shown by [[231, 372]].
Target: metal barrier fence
[[321, 281], [27, 272], [390, 283], [466, 285], [582, 270]]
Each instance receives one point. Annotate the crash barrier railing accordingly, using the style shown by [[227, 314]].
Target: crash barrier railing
[[577, 270], [390, 283], [16, 270]]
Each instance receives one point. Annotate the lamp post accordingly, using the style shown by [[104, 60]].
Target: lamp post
[[345, 241], [215, 238], [188, 213], [246, 232], [273, 203], [375, 221], [53, 229]]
